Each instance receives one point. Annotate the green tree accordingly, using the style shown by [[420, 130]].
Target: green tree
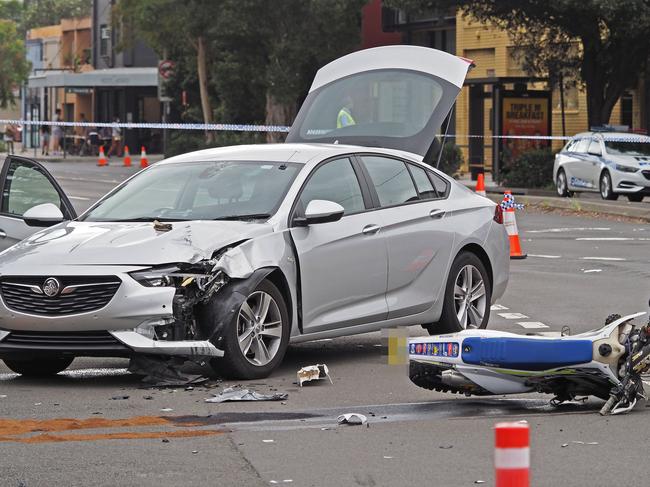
[[612, 35], [251, 60], [14, 69], [39, 13]]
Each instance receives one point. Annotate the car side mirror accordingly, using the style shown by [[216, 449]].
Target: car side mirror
[[321, 211], [44, 215], [595, 153]]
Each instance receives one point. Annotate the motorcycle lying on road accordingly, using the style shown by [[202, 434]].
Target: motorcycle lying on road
[[607, 363]]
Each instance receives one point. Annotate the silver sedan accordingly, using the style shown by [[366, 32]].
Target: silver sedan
[[232, 253]]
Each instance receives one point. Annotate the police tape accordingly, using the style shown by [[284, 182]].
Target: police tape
[[230, 127]]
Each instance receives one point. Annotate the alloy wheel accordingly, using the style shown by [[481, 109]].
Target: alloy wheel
[[469, 297], [604, 186], [561, 184], [259, 328]]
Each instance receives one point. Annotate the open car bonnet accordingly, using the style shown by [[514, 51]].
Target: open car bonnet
[[100, 243], [391, 97]]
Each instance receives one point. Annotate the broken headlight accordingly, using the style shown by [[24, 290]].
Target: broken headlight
[[156, 276]]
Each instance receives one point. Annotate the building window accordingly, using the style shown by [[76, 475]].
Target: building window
[[104, 39], [570, 98]]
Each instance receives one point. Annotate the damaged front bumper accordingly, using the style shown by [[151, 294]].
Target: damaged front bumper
[[190, 348], [125, 326]]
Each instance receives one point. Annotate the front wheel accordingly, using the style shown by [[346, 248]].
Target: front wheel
[[635, 198], [561, 185], [606, 191], [468, 293], [43, 367], [256, 340]]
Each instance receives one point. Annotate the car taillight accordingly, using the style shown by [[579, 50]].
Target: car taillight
[[498, 214]]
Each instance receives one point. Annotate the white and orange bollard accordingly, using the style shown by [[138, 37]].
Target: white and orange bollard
[[512, 454], [510, 222]]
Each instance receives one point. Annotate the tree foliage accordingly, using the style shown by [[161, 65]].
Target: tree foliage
[[260, 55], [39, 13], [612, 40], [14, 69]]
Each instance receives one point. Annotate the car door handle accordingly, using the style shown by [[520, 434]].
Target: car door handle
[[370, 229], [437, 214], [3, 234]]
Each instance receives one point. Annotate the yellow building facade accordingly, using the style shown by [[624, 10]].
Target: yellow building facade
[[492, 52]]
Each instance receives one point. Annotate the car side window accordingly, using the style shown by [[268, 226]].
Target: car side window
[[594, 148], [25, 187], [571, 146], [391, 180], [334, 181], [423, 183], [442, 186], [582, 146]]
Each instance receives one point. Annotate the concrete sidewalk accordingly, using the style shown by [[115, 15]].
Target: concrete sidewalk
[[60, 157]]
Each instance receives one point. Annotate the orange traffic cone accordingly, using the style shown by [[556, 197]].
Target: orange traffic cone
[[127, 157], [143, 157], [510, 223], [102, 157], [480, 185]]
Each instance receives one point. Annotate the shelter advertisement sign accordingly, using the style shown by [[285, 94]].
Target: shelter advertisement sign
[[527, 116]]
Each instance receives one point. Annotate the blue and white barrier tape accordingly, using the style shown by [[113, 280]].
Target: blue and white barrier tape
[[509, 202], [229, 127]]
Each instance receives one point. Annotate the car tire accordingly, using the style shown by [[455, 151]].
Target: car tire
[[635, 198], [466, 266], [258, 357], [43, 367], [606, 191], [561, 185]]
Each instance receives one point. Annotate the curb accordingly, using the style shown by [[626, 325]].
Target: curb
[[578, 206]]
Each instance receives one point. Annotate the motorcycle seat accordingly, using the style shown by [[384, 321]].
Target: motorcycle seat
[[526, 353]]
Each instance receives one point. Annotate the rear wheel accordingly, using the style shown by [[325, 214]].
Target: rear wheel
[[467, 296], [42, 367], [257, 338], [635, 198], [561, 184], [606, 191]]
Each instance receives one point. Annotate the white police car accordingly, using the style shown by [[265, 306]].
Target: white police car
[[612, 163]]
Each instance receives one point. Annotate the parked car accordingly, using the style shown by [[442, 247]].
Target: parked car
[[231, 253], [612, 163]]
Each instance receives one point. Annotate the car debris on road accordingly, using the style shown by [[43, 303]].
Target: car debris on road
[[233, 394], [313, 372]]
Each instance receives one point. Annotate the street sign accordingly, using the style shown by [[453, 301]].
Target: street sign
[[165, 71]]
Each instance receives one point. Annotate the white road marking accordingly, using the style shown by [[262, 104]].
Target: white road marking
[[612, 239], [587, 271], [79, 198], [532, 325], [512, 316], [541, 256], [579, 229], [618, 259], [498, 307]]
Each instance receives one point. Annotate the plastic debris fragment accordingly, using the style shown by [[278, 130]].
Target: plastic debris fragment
[[232, 394], [352, 419], [313, 372]]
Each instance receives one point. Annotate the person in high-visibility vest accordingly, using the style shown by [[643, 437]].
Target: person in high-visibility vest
[[345, 117]]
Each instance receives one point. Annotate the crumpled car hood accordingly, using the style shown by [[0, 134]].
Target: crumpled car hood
[[101, 243]]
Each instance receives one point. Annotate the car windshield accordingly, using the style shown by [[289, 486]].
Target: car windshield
[[628, 148], [234, 190]]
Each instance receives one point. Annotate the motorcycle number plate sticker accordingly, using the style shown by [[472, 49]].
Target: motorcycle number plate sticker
[[435, 349]]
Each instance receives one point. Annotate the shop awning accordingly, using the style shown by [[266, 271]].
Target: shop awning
[[96, 78]]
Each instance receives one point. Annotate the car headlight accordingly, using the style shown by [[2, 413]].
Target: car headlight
[[155, 277], [620, 167]]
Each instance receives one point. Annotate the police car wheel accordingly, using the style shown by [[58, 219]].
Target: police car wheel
[[606, 191], [561, 185]]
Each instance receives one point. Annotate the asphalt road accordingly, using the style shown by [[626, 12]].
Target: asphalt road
[[69, 431]]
